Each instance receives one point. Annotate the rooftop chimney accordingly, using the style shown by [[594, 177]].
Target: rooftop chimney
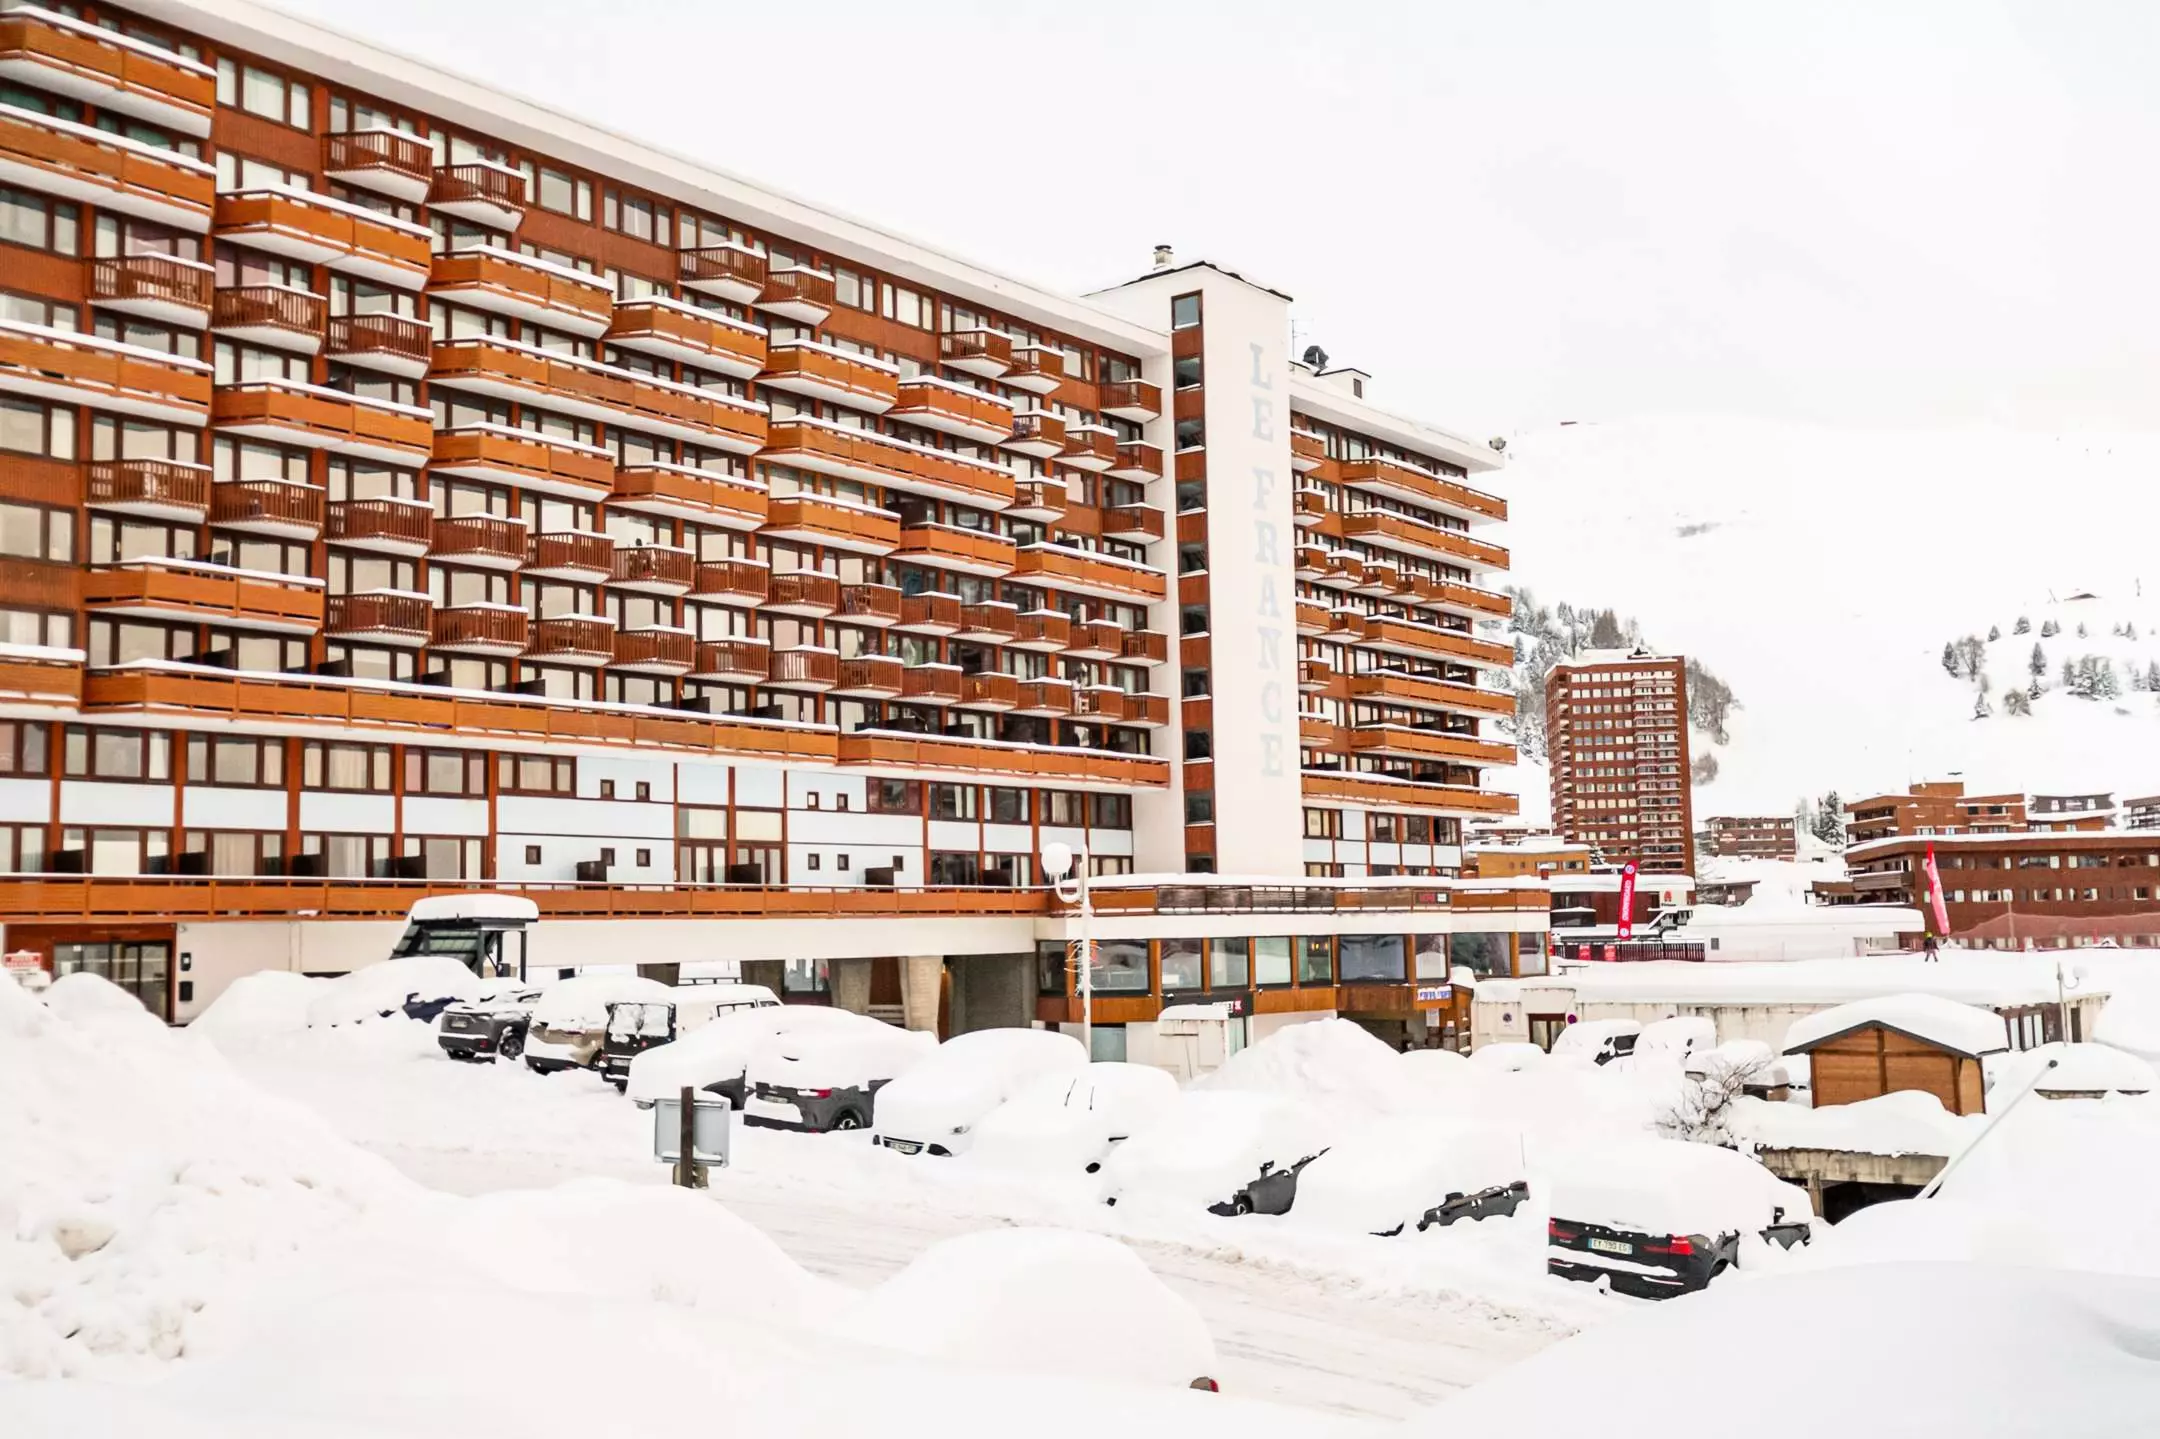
[[1163, 260]]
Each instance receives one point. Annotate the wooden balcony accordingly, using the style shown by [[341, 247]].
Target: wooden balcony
[[395, 344], [1319, 734], [1384, 530], [1144, 647], [1312, 618], [1381, 577], [1039, 500], [1314, 675], [1138, 461], [92, 167], [983, 352], [1038, 433], [655, 650], [1405, 637], [589, 390], [150, 489], [931, 685], [105, 68], [809, 593], [796, 293], [490, 195], [991, 691], [490, 631], [732, 582], [504, 282], [1046, 697], [1309, 509], [931, 613], [992, 622], [1422, 692], [271, 315], [1134, 400], [389, 162], [665, 570], [578, 556], [1458, 598], [572, 640], [870, 677], [275, 508], [526, 460], [1045, 631], [738, 661], [1054, 567], [826, 372], [381, 617], [1421, 487], [165, 288], [870, 458], [705, 497], [1101, 703], [833, 523], [1347, 626], [1386, 793], [1043, 764], [1140, 523], [1038, 369], [949, 547], [672, 330], [483, 542], [311, 227], [1308, 451], [77, 369], [288, 413], [191, 592], [804, 668], [735, 273], [1393, 741], [1144, 711], [877, 606], [1089, 447], [387, 526], [955, 409], [1096, 640], [52, 678], [40, 585], [1310, 563]]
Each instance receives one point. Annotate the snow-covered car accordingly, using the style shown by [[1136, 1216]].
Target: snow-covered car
[[569, 1021], [379, 990], [636, 1025], [1673, 1040], [1507, 1056], [1227, 1151], [1413, 1173], [488, 1028], [1601, 1041], [1066, 1123], [714, 1057], [1659, 1217], [828, 1077], [934, 1108]]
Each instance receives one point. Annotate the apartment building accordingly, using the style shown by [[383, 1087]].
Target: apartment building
[[1934, 807], [1753, 836], [2023, 890], [409, 489], [2070, 813], [2142, 813], [1616, 727]]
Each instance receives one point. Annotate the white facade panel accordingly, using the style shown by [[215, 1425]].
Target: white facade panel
[[963, 835], [1007, 838], [537, 814], [24, 800], [658, 775], [1110, 841], [1320, 851], [759, 788], [428, 814], [326, 813], [827, 788], [560, 855], [701, 784], [87, 802], [1447, 856], [817, 826], [204, 807]]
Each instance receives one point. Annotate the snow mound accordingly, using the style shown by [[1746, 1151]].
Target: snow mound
[[1508, 1057], [1669, 1186], [1209, 1145], [1041, 1300], [1323, 1061], [1393, 1170], [2087, 1170], [1965, 1028], [264, 1005], [91, 1001], [1937, 1229], [2130, 1020], [720, 1050], [1905, 1121], [2080, 1069], [379, 990], [2083, 1349], [1059, 1124]]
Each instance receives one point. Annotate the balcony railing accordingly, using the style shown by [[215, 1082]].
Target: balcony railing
[[110, 171], [1134, 400], [876, 459], [1036, 368], [157, 287], [309, 226], [1042, 500], [476, 190], [655, 650], [1424, 692], [75, 368], [825, 372], [1145, 647], [705, 497], [1089, 447], [1044, 630], [268, 507], [871, 677], [1097, 640], [321, 418], [978, 352], [572, 639], [381, 616], [1421, 487], [803, 592], [381, 341], [194, 592], [1143, 523], [991, 690], [590, 390], [1392, 635], [494, 542], [804, 668], [739, 661], [1100, 703], [1045, 697], [1147, 711], [1040, 763], [113, 71], [1411, 742], [1389, 793], [835, 523], [955, 409], [1400, 532], [488, 277], [154, 489], [389, 161], [878, 605], [1038, 433], [931, 613], [732, 582], [990, 623], [389, 526], [797, 293], [271, 314], [578, 555], [682, 332], [525, 459], [1307, 450], [1057, 568], [726, 272], [498, 630], [948, 547], [1137, 460], [931, 685], [654, 569]]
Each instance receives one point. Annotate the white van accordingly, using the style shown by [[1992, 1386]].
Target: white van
[[636, 1025]]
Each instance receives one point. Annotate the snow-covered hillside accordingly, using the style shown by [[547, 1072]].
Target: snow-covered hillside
[[1820, 572]]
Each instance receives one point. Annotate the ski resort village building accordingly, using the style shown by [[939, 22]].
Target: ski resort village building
[[1617, 741], [409, 490]]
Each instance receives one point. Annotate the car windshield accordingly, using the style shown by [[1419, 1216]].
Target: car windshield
[[632, 1021]]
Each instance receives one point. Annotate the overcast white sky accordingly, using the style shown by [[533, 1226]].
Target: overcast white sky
[[1905, 212]]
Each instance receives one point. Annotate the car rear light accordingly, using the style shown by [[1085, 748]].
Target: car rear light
[[1554, 1231], [1679, 1244], [820, 1094], [1203, 1382]]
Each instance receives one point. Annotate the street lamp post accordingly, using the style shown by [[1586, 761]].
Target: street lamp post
[[1069, 881]]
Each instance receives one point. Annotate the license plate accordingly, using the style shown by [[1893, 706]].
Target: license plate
[[903, 1146], [1611, 1246]]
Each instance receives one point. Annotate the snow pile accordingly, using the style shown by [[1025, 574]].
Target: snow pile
[[1209, 1145], [259, 1006], [941, 1098], [1903, 1349], [1329, 1062], [832, 1056], [378, 990], [1673, 1040], [1906, 1121], [1049, 1301], [2130, 1020], [1965, 1028], [716, 1052], [1936, 1229], [1669, 1186], [1392, 1171], [2080, 1069], [1508, 1057], [2088, 1170], [140, 1180], [1061, 1123]]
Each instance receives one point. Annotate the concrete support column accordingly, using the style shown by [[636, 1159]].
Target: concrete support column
[[851, 985], [922, 976], [772, 973]]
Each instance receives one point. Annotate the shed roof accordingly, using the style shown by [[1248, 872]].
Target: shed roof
[[1961, 1028]]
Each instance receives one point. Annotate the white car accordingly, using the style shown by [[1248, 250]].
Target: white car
[[1413, 1173], [715, 1056], [1066, 1123], [569, 1022], [1673, 1040], [1659, 1217], [828, 1077], [936, 1105], [1228, 1151]]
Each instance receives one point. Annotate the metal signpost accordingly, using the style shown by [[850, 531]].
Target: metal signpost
[[691, 1133]]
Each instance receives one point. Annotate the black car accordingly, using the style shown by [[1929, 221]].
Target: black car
[[1273, 1192], [1499, 1202], [1648, 1266], [814, 1111], [477, 1029]]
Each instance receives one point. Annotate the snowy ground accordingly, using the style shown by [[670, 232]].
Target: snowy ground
[[1376, 1327]]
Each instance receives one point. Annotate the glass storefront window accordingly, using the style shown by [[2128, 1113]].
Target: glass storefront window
[[1485, 955], [1229, 963], [1121, 966], [1371, 957], [1271, 961], [1316, 959], [1184, 964]]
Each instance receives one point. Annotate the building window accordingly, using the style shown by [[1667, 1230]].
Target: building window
[[1199, 806], [844, 862], [1316, 959], [813, 861], [1184, 964], [535, 774], [644, 789], [952, 801], [235, 761], [1371, 957], [607, 857], [1120, 966], [1184, 312], [894, 796], [532, 854], [564, 194], [39, 223], [262, 92], [1191, 434], [360, 767], [445, 772], [32, 532], [1323, 824], [1199, 744], [1185, 372], [1271, 960], [23, 748], [1007, 806], [29, 427], [116, 754], [607, 789]]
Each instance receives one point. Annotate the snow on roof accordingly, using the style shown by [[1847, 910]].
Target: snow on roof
[[1974, 977], [474, 906], [1905, 1121], [1963, 1028], [2079, 1069]]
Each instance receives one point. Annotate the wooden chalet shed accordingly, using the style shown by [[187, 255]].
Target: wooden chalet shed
[[1871, 1047]]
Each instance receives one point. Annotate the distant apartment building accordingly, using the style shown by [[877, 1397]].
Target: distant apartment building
[[1755, 836], [2022, 891], [2069, 813], [1936, 807], [1530, 858], [2143, 813], [1617, 740]]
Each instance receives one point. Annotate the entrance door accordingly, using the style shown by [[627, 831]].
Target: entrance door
[[1545, 1028], [141, 968]]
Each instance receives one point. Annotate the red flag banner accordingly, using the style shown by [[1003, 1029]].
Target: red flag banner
[[1627, 900], [1935, 896]]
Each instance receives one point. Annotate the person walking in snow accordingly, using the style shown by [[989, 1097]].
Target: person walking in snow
[[1929, 952]]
